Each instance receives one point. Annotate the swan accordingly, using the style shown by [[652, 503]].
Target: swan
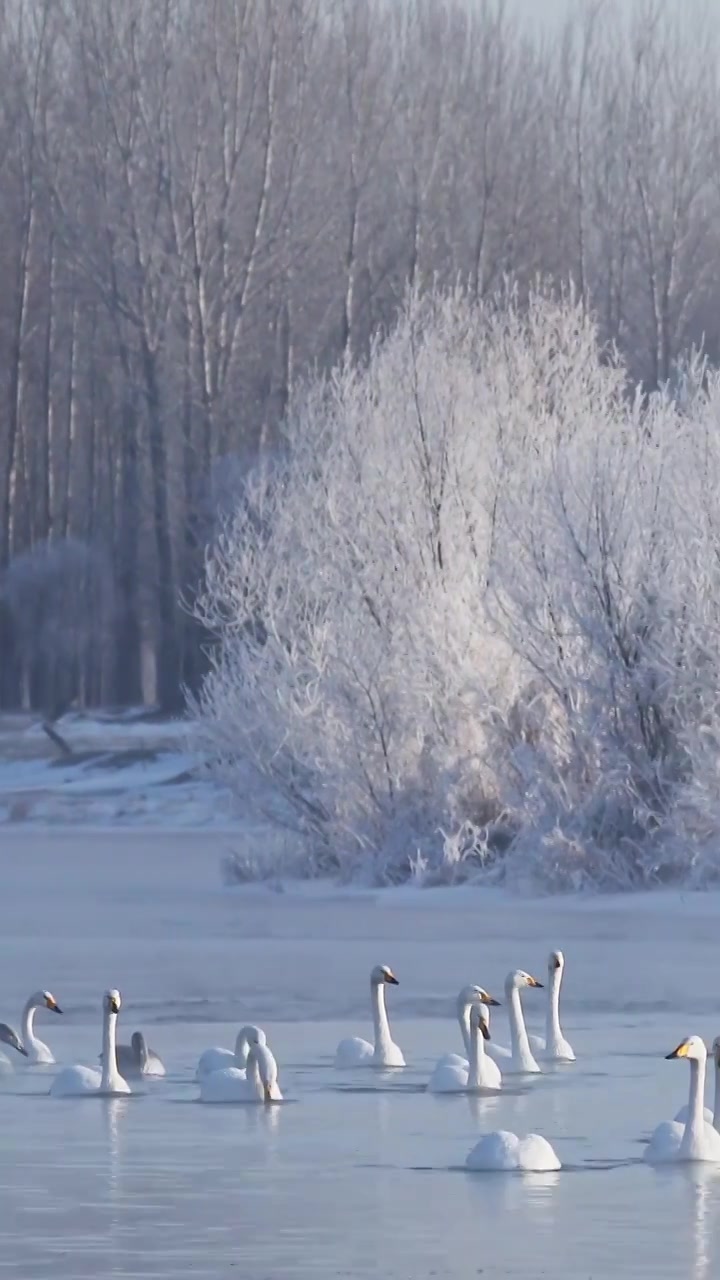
[[259, 1083], [712, 1117], [503, 1151], [518, 1058], [480, 1072], [218, 1059], [8, 1036], [355, 1052], [135, 1059], [696, 1140], [36, 1050], [467, 997], [78, 1080], [554, 1047]]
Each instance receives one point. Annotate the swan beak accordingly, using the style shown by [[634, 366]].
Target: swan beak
[[680, 1052], [534, 983], [490, 1000], [390, 977], [268, 1092], [21, 1049], [55, 1008]]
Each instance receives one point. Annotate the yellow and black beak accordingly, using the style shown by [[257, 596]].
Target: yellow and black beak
[[54, 1006], [534, 983], [390, 977], [491, 1001], [680, 1052]]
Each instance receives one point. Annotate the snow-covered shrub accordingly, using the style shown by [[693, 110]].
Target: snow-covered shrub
[[468, 624]]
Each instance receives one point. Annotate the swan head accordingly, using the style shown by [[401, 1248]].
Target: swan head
[[478, 1021], [693, 1047], [261, 1057], [556, 962], [383, 973], [8, 1036], [112, 1001], [476, 995], [45, 1000], [519, 978]]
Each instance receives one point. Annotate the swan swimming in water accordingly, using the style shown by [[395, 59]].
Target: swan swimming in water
[[712, 1117], [554, 1047], [218, 1059], [8, 1036], [448, 1070], [503, 1152], [695, 1140], [518, 1058], [77, 1081], [136, 1059], [355, 1052], [258, 1083], [35, 1049], [480, 1072]]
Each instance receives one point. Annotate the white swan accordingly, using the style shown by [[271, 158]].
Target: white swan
[[480, 1072], [136, 1059], [452, 1062], [696, 1140], [36, 1050], [8, 1036], [712, 1117], [259, 1083], [554, 1047], [518, 1058], [503, 1151], [218, 1059], [78, 1080], [355, 1052]]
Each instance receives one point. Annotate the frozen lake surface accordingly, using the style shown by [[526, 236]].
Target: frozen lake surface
[[357, 1174]]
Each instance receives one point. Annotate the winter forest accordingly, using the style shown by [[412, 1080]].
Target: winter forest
[[358, 384]]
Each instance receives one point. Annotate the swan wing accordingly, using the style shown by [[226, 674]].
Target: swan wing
[[214, 1060], [73, 1082], [665, 1142], [354, 1052], [535, 1154], [683, 1115], [496, 1151], [448, 1077], [228, 1085]]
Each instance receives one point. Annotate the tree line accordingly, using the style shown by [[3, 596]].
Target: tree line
[[202, 203]]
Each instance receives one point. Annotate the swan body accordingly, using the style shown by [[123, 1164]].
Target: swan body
[[452, 1074], [518, 1059], [218, 1059], [258, 1083], [355, 1052], [8, 1036], [711, 1117], [503, 1152], [136, 1059], [79, 1080], [36, 1050], [553, 1047], [696, 1140]]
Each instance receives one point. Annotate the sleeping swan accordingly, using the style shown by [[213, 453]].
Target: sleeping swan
[[355, 1052], [450, 1074], [480, 1072], [554, 1047], [696, 1140], [518, 1058], [36, 1050], [77, 1081], [503, 1151], [218, 1059], [258, 1083], [8, 1036]]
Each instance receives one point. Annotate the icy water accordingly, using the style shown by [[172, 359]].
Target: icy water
[[356, 1174]]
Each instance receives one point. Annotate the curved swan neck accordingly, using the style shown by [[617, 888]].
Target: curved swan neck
[[28, 1018], [381, 1025], [696, 1108], [553, 1034], [463, 1016], [475, 1057], [519, 1043], [110, 1073]]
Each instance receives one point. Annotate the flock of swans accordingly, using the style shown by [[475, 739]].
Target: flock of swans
[[249, 1072]]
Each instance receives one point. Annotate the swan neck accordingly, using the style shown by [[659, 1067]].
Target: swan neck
[[519, 1043], [381, 1025], [110, 1073], [463, 1013], [696, 1108], [475, 1057], [716, 1105], [28, 1018], [552, 1025]]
